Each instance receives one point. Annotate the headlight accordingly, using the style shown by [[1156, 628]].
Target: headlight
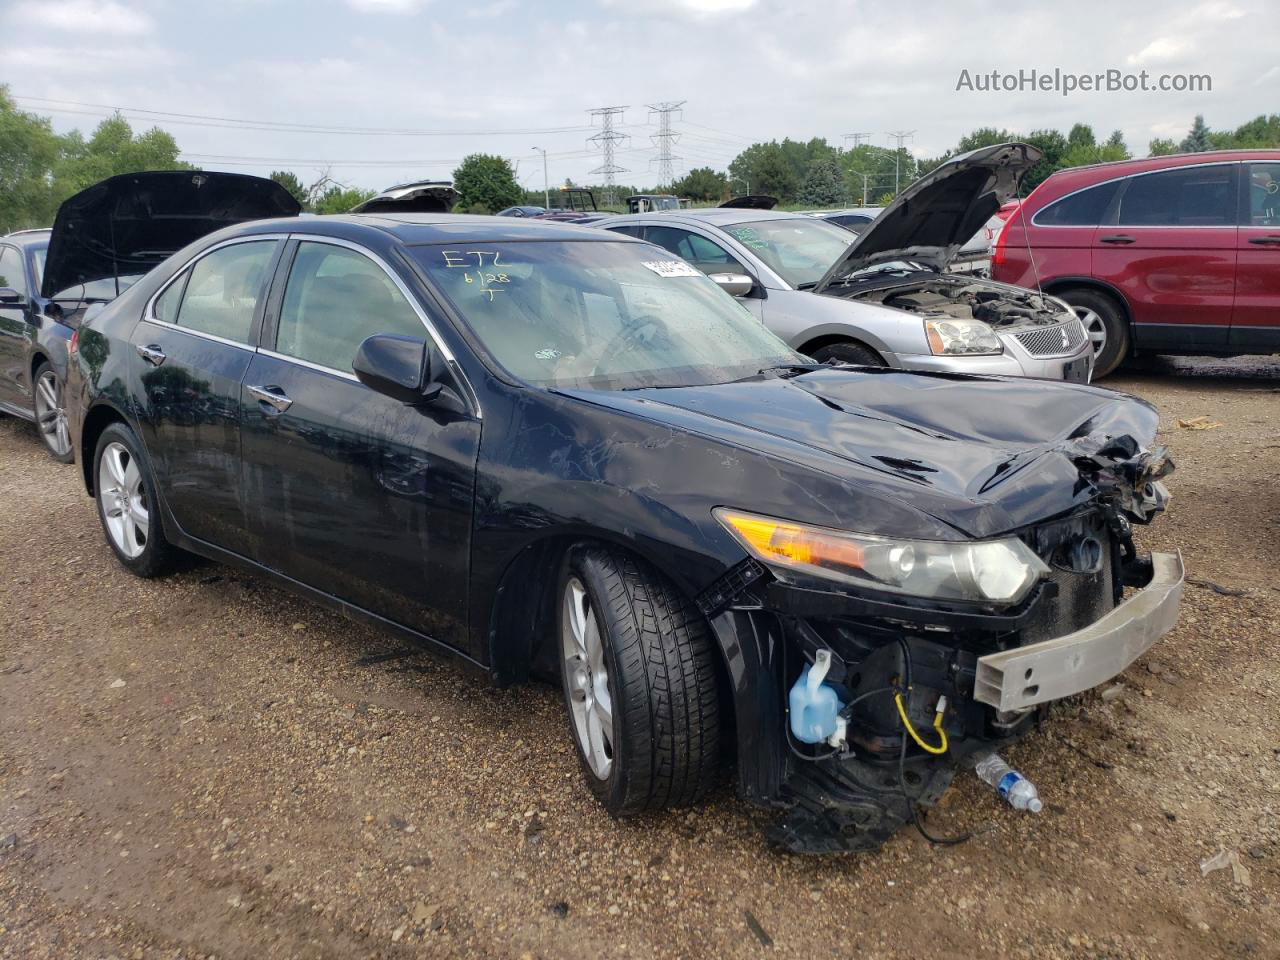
[[996, 571], [953, 337]]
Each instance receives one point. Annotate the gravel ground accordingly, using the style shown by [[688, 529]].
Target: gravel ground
[[205, 766]]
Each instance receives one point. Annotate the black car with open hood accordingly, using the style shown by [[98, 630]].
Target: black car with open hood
[[108, 235], [556, 451]]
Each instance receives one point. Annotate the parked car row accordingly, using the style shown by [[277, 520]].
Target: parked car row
[[564, 452]]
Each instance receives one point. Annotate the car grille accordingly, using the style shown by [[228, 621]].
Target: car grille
[[1060, 340]]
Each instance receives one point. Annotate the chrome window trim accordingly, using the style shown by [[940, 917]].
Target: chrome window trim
[[198, 333], [149, 314], [263, 351], [472, 398], [1134, 176]]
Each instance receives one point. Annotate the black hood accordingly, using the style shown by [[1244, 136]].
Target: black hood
[[982, 455], [932, 219], [125, 225], [755, 201]]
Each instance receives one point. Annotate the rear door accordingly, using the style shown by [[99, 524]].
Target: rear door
[[349, 491], [191, 351], [1255, 320], [14, 329], [1172, 254]]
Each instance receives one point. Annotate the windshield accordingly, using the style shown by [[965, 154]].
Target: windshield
[[798, 249], [600, 315]]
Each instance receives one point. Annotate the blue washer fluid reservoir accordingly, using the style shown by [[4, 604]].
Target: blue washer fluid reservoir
[[815, 707]]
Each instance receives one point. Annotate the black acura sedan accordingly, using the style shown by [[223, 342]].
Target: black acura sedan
[[555, 451]]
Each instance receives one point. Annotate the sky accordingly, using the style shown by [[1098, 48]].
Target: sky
[[375, 92]]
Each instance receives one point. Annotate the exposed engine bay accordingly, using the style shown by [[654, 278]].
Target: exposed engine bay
[[995, 304]]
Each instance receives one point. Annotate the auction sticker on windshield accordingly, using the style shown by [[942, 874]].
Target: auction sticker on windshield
[[671, 268]]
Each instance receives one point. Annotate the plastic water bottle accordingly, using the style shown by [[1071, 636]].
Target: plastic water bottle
[[1009, 783]]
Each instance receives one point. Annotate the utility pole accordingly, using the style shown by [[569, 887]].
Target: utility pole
[[900, 136], [546, 184], [664, 139], [607, 139]]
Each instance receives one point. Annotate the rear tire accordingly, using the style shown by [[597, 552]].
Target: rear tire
[[854, 353], [647, 732], [124, 488], [1105, 323]]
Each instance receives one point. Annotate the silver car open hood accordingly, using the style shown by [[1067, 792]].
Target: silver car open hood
[[932, 219]]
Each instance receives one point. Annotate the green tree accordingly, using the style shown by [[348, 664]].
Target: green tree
[[1081, 135], [28, 150], [338, 199], [1198, 138], [113, 149], [824, 185], [290, 182], [1161, 148], [701, 183], [486, 183], [1261, 132]]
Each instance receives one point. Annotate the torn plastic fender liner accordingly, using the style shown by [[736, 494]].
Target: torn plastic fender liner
[[1062, 666]]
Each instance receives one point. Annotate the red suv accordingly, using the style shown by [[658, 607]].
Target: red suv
[[1176, 254]]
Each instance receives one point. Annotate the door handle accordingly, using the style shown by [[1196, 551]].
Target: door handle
[[272, 396], [151, 353], [1268, 240], [1119, 238]]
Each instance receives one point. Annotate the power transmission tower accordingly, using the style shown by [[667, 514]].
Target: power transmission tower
[[664, 139], [607, 140], [858, 138], [900, 136]]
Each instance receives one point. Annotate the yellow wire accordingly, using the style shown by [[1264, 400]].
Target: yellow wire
[[937, 725]]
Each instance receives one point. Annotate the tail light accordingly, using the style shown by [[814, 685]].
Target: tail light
[[73, 344], [1000, 253]]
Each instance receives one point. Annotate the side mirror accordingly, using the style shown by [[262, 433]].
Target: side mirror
[[10, 295], [734, 284], [402, 368]]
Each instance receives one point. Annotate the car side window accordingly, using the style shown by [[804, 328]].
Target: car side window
[[223, 290], [706, 255], [334, 300], [167, 304], [11, 273], [1264, 195], [1083, 209], [1184, 197], [630, 229]]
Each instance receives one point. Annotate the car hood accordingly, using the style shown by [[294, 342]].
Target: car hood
[[932, 219], [125, 225], [427, 196], [982, 455]]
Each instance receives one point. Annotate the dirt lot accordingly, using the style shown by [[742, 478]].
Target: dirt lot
[[206, 766]]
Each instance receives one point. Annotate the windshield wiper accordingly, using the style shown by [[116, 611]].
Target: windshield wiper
[[784, 371]]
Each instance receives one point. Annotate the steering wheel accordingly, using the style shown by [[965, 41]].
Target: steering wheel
[[639, 334]]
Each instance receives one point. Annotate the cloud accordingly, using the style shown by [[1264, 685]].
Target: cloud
[[106, 59], [84, 16], [688, 9], [1162, 50], [388, 6]]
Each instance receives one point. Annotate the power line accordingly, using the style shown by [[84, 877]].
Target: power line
[[664, 139]]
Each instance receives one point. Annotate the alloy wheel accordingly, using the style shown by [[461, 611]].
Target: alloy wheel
[[124, 501], [1093, 326], [51, 418], [587, 678]]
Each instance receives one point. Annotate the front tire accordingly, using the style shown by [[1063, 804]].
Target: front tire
[[639, 678], [124, 489], [854, 353], [51, 417], [1104, 322]]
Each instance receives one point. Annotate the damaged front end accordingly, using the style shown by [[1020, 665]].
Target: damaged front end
[[859, 697]]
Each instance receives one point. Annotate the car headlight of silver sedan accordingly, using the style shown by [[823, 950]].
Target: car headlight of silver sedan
[[993, 571], [953, 336]]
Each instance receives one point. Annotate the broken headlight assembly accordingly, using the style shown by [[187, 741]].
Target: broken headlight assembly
[[954, 336], [990, 571]]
